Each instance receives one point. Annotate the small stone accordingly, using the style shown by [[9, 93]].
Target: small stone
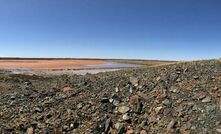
[[200, 96], [218, 130], [206, 100], [74, 124], [126, 117], [133, 100], [143, 123], [174, 89], [40, 126], [152, 119], [123, 109], [105, 100], [79, 106], [12, 97], [166, 102], [58, 130], [37, 109], [121, 130], [158, 78], [178, 80], [116, 89], [188, 126], [171, 125], [116, 103], [111, 100], [65, 127], [220, 103], [30, 130], [131, 131], [118, 125], [67, 89], [107, 125], [131, 90], [137, 130], [195, 77], [143, 132], [134, 81], [158, 109]]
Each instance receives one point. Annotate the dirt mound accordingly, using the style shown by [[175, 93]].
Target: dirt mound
[[180, 98]]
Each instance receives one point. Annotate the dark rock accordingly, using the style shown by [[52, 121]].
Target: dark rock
[[171, 125], [108, 125]]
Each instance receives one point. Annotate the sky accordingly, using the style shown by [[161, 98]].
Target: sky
[[133, 29]]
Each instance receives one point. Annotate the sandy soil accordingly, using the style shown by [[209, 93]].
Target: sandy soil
[[46, 64]]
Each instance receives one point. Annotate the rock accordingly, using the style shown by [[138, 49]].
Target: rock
[[65, 127], [143, 132], [37, 109], [158, 109], [173, 78], [79, 106], [144, 123], [67, 89], [200, 96], [13, 97], [206, 100], [136, 104], [126, 117], [116, 103], [158, 78], [174, 89], [134, 81], [58, 130], [137, 130], [121, 130], [171, 125], [118, 125], [210, 108], [74, 124], [133, 100], [180, 108], [108, 124], [105, 100], [196, 77], [220, 103], [188, 126], [166, 102], [152, 119], [111, 100], [30, 130], [218, 130], [40, 126], [131, 131], [116, 89], [123, 109], [131, 90]]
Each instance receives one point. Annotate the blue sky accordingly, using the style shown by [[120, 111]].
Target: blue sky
[[139, 29]]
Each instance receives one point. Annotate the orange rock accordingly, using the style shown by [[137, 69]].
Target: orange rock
[[133, 100], [30, 130], [67, 89]]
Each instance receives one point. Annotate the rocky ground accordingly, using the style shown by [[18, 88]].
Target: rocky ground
[[182, 98]]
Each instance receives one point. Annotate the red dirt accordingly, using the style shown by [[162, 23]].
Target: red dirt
[[46, 64]]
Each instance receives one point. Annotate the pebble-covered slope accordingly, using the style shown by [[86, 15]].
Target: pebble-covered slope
[[181, 98]]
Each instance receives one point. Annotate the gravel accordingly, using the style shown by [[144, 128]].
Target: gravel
[[176, 98]]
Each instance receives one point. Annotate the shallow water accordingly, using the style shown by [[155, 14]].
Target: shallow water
[[113, 65], [24, 69], [92, 69]]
